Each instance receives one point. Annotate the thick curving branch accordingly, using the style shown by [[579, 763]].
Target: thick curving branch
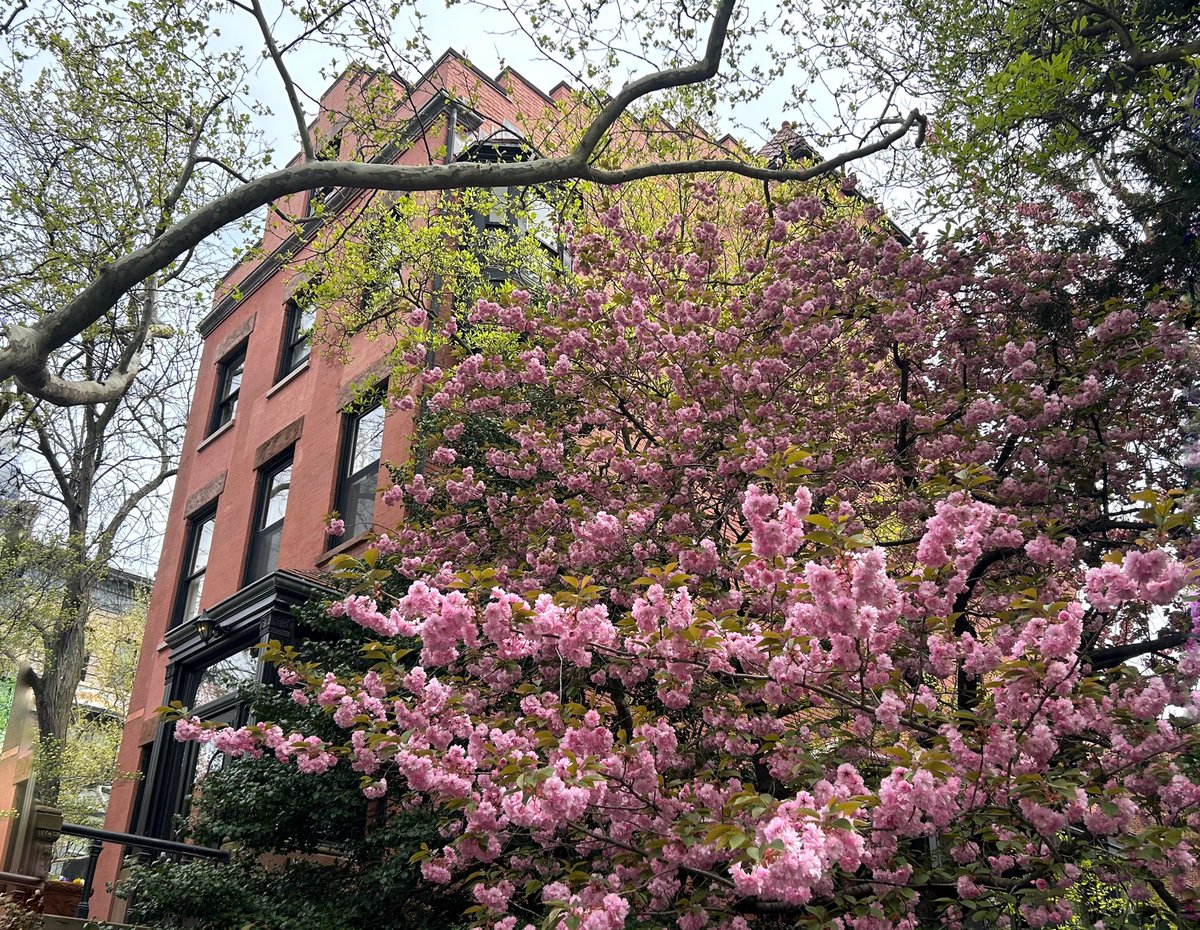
[[24, 359], [756, 172], [1113, 656], [695, 73], [1137, 58]]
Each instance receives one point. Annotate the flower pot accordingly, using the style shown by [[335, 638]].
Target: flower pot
[[60, 899]]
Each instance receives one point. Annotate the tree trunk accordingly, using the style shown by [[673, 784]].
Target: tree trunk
[[64, 660]]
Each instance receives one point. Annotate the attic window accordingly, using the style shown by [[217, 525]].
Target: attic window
[[330, 151]]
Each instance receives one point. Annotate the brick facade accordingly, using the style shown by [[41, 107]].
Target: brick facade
[[301, 412]]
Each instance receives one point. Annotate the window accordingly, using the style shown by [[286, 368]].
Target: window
[[359, 476], [329, 151], [218, 696], [273, 486], [229, 383], [500, 207], [508, 215], [226, 677], [542, 221], [200, 535], [297, 336], [214, 679]]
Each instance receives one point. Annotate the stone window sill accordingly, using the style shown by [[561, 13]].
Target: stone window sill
[[342, 547], [288, 379], [214, 436]]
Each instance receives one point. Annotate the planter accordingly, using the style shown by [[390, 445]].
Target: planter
[[60, 899]]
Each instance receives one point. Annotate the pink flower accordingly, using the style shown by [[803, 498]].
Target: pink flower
[[495, 898], [189, 729], [376, 789], [775, 529]]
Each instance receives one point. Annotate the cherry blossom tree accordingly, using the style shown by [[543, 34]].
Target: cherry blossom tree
[[769, 568]]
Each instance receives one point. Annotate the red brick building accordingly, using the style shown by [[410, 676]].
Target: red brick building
[[275, 441]]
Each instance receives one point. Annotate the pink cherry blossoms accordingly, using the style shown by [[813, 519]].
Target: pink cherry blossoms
[[802, 573]]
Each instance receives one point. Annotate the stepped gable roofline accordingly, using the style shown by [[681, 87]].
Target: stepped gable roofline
[[352, 73], [440, 98], [356, 72], [510, 71], [453, 55], [268, 265]]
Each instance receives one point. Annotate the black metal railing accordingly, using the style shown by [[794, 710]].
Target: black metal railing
[[99, 837]]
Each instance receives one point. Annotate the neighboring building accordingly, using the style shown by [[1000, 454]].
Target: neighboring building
[[115, 606], [115, 626], [275, 441], [86, 763]]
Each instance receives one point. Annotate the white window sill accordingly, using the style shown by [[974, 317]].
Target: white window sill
[[288, 378]]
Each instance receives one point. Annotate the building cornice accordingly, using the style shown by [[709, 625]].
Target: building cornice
[[263, 606]]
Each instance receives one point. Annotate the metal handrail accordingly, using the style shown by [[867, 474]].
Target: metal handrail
[[99, 837], [144, 842]]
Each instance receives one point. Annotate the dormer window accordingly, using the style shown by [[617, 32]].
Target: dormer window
[[521, 211], [330, 151]]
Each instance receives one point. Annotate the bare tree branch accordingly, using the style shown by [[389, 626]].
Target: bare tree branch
[[189, 166], [17, 10], [45, 447], [1115, 655], [316, 27], [231, 171], [131, 503], [1137, 57], [23, 359], [289, 85], [702, 70], [33, 377]]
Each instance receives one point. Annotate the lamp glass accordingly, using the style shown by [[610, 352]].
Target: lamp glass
[[205, 627]]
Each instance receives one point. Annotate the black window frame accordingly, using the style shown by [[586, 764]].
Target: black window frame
[[295, 337], [260, 533], [353, 486], [520, 211], [234, 363], [330, 150], [189, 573], [171, 767]]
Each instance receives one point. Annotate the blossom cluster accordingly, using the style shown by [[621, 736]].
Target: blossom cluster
[[803, 572]]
